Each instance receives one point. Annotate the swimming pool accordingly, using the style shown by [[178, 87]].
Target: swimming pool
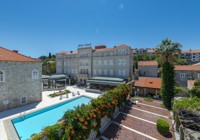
[[36, 121]]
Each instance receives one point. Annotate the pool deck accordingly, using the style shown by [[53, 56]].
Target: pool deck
[[46, 101]]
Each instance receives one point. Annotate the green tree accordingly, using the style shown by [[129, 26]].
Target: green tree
[[50, 55], [168, 51], [195, 91]]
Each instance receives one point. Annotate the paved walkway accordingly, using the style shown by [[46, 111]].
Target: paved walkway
[[138, 122]]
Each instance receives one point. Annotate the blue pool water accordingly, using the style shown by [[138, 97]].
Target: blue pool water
[[34, 122]]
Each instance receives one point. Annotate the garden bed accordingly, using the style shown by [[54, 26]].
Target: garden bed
[[59, 93]]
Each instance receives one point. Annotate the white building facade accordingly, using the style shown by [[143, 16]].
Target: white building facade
[[99, 62]]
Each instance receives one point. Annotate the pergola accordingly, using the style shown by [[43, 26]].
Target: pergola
[[55, 81], [102, 83], [189, 124]]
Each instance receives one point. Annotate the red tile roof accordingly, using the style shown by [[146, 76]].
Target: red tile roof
[[190, 51], [151, 51], [148, 82], [8, 55], [187, 67], [147, 63]]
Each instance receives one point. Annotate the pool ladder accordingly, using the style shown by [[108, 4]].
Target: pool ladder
[[22, 115]]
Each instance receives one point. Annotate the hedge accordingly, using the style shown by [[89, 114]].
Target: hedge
[[77, 124], [162, 126]]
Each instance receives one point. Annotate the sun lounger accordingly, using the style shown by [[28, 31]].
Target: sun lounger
[[73, 94], [78, 93], [60, 97], [67, 96]]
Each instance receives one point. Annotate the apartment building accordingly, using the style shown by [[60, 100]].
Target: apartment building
[[100, 61], [20, 79], [191, 55], [142, 51]]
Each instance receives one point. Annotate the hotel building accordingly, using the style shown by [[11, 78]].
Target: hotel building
[[100, 61]]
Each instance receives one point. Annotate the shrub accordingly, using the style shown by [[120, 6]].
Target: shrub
[[59, 93], [148, 99], [162, 126]]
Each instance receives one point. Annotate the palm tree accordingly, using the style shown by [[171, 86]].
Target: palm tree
[[168, 51]]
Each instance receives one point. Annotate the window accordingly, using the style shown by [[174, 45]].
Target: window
[[182, 75], [23, 100], [198, 75], [1, 76], [123, 61], [119, 62], [99, 62], [105, 71], [35, 74], [94, 72], [111, 62], [99, 71], [94, 62], [119, 72], [58, 63], [123, 73], [111, 72], [105, 62]]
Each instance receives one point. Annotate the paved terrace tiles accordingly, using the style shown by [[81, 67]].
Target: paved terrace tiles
[[153, 110], [120, 133], [143, 115], [138, 123]]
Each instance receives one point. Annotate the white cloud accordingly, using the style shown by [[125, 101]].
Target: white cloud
[[121, 6]]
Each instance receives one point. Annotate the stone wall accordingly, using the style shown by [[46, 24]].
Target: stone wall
[[148, 71], [18, 83], [189, 75]]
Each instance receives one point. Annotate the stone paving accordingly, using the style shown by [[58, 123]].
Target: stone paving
[[138, 122]]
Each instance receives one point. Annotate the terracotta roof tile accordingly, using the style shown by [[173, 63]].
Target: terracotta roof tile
[[148, 82], [8, 55], [187, 67], [151, 51], [147, 63], [190, 51]]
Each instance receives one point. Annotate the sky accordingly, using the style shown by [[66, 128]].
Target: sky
[[37, 27]]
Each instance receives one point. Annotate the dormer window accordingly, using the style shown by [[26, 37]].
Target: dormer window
[[1, 76], [35, 74]]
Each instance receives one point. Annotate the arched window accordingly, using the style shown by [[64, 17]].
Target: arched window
[[35, 74], [1, 76]]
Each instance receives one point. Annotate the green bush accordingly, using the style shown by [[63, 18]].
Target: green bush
[[59, 93], [148, 99], [162, 126]]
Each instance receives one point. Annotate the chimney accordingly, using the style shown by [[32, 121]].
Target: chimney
[[16, 51], [114, 46], [71, 51]]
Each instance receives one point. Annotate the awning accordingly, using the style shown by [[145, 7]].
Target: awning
[[55, 76], [106, 80]]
